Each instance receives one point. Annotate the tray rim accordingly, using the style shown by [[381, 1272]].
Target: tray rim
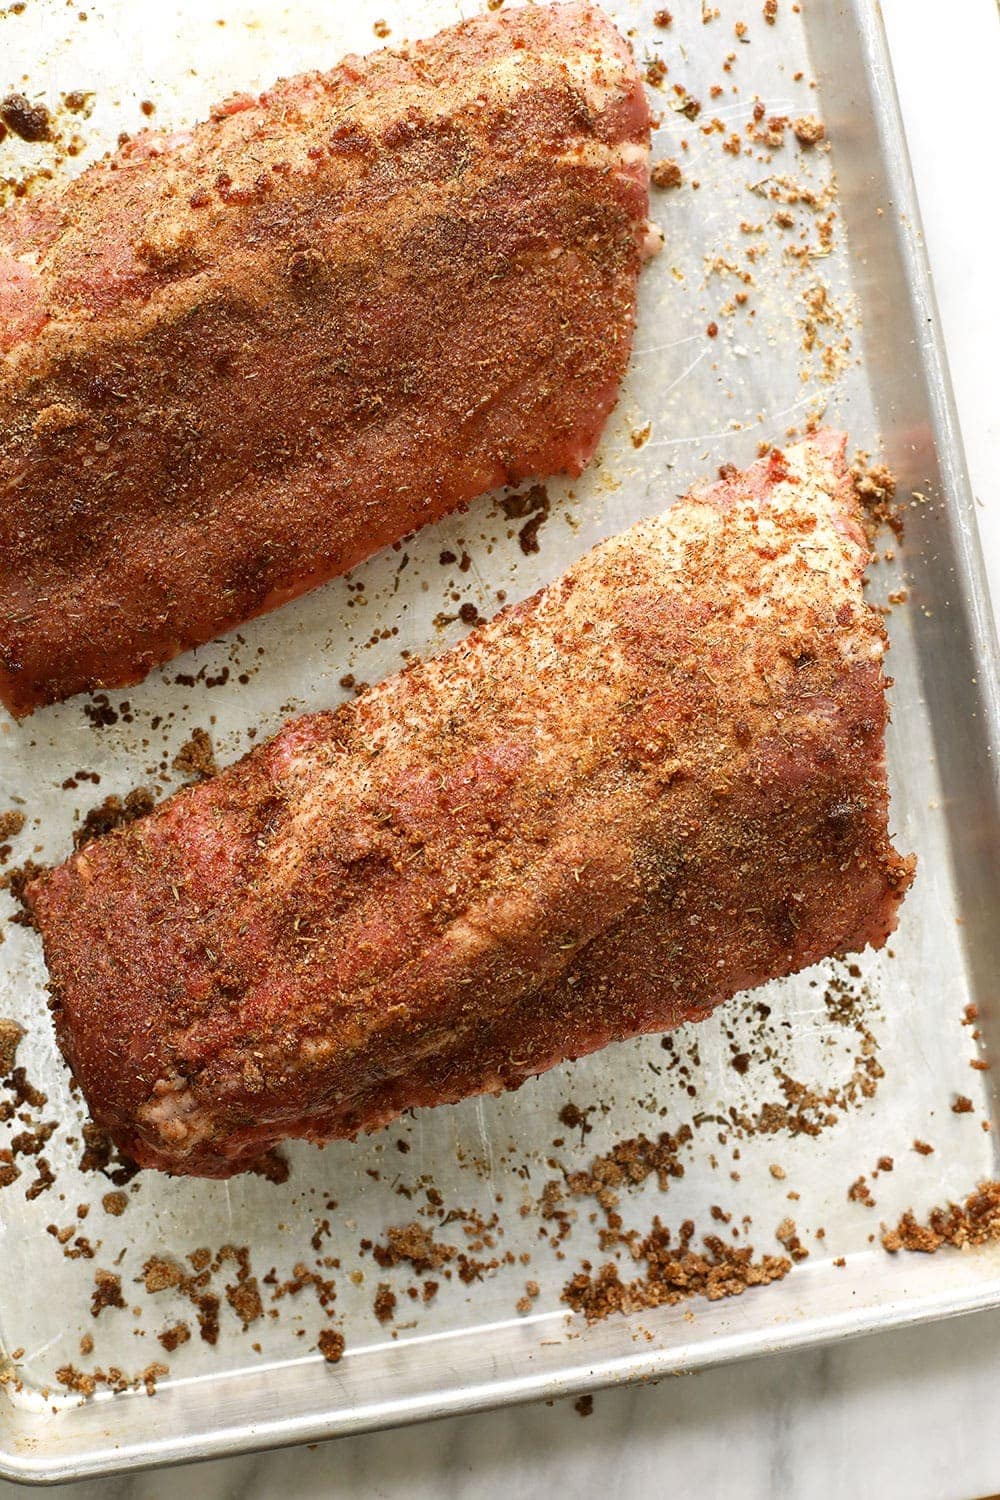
[[810, 1332]]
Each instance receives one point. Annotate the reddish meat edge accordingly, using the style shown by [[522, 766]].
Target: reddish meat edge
[[657, 783], [237, 360]]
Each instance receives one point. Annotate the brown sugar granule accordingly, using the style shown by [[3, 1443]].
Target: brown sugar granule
[[331, 1345], [666, 174], [11, 823], [107, 1292], [961, 1105], [770, 11], [196, 757], [885, 1164], [923, 1148], [385, 1302], [976, 1222], [980, 1065], [114, 812], [86, 1345], [712, 330], [656, 71], [808, 130], [382, 29], [10, 1039], [173, 1337], [584, 1406], [31, 122], [114, 1204], [778, 1172], [662, 18]]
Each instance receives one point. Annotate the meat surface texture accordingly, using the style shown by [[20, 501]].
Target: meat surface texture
[[236, 361], [657, 783]]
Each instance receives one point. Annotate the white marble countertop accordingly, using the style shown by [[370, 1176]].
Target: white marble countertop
[[910, 1414]]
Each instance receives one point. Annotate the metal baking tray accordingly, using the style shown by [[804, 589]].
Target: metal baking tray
[[708, 401]]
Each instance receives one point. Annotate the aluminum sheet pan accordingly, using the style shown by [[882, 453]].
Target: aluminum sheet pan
[[707, 401]]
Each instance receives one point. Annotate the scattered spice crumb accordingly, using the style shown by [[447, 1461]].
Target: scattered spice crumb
[[173, 1337], [385, 1302], [196, 757], [673, 1274], [962, 1105], [107, 1292], [10, 1039], [331, 1345], [31, 122], [923, 1148], [786, 1234], [860, 1192], [11, 823], [976, 1222], [536, 505], [666, 173], [808, 130]]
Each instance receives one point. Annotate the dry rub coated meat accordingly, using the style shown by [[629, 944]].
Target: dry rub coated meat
[[234, 361], [657, 783]]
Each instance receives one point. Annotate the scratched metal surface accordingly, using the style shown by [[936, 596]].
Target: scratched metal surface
[[707, 401]]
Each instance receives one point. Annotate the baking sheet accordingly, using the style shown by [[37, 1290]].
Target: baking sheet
[[706, 400]]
